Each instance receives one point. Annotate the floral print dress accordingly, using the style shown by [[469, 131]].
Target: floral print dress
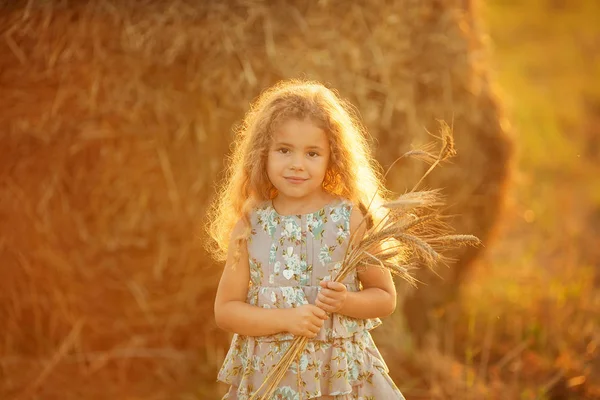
[[288, 257]]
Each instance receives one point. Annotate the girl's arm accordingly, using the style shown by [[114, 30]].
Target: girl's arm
[[233, 314], [378, 297]]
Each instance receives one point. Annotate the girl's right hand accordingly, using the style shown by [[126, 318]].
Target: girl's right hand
[[306, 320]]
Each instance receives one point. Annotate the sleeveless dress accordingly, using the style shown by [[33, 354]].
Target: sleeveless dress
[[288, 257]]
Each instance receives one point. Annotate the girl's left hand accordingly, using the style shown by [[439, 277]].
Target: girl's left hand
[[332, 296]]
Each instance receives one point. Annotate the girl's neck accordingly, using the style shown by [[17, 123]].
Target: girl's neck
[[294, 206]]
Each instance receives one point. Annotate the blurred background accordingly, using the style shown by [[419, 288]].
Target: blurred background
[[115, 120]]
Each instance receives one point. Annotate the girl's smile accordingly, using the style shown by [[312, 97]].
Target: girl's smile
[[295, 180]]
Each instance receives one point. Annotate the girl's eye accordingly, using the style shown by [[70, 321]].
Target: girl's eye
[[283, 150], [313, 154]]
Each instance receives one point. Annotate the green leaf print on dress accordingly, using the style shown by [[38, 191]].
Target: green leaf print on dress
[[285, 393], [268, 220], [325, 254], [316, 223], [256, 272], [304, 360], [293, 296]]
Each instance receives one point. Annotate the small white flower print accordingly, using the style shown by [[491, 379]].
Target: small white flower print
[[337, 214], [273, 252], [291, 231], [341, 234], [291, 260], [325, 255]]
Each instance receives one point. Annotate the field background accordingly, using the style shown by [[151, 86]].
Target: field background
[[530, 312], [105, 291]]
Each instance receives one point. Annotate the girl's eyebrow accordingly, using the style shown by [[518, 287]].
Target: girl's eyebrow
[[290, 145]]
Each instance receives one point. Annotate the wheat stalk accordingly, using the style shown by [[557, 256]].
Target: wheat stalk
[[411, 228], [446, 151]]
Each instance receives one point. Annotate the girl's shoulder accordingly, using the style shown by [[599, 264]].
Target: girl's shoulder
[[341, 203], [262, 208]]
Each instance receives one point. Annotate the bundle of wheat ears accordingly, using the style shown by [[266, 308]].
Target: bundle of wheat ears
[[410, 232]]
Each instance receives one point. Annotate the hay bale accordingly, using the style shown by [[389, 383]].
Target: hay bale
[[117, 118], [449, 80]]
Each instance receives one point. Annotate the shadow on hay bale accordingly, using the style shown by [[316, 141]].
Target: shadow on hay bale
[[116, 121]]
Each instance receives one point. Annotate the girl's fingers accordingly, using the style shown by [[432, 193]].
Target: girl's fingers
[[320, 304], [322, 313], [326, 300], [333, 285], [330, 293], [326, 307], [319, 312], [315, 321], [337, 286], [329, 307], [331, 299]]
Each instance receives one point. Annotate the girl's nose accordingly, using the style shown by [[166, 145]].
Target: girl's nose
[[297, 163]]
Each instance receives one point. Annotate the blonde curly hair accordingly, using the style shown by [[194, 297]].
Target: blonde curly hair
[[352, 173]]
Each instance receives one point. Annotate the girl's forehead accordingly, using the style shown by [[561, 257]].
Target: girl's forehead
[[300, 132]]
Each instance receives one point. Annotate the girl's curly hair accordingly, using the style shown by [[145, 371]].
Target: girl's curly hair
[[352, 173]]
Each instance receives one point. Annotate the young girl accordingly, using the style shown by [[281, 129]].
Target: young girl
[[299, 176]]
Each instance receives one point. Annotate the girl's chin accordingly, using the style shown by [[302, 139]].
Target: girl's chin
[[296, 194]]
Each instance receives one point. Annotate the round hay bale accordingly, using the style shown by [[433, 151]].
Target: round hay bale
[[117, 117]]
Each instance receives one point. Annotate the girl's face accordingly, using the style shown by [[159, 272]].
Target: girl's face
[[298, 158]]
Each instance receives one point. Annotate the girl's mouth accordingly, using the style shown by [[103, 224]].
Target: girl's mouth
[[295, 180]]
